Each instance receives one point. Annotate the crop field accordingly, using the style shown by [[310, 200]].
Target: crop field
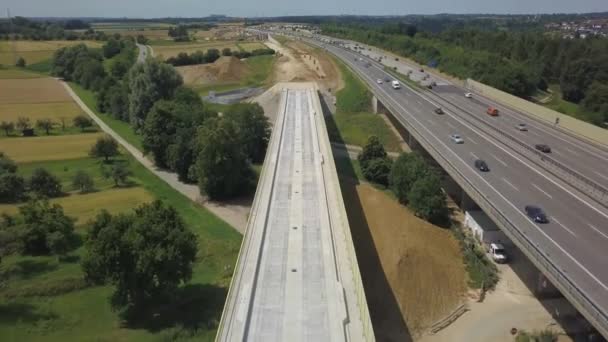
[[35, 51], [42, 148], [129, 26], [151, 34], [35, 111], [14, 73], [27, 91]]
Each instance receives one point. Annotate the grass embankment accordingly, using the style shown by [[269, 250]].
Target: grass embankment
[[353, 122], [558, 104]]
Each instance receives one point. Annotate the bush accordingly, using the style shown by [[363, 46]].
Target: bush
[[377, 170], [20, 62], [43, 183], [105, 147], [12, 188], [83, 182], [427, 200], [83, 122], [405, 171]]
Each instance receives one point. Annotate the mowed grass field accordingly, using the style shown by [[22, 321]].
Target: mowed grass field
[[45, 148], [35, 51]]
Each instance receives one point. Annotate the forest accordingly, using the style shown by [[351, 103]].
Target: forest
[[520, 62]]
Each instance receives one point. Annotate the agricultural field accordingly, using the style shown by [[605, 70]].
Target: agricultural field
[[64, 147], [15, 73], [35, 51], [168, 49]]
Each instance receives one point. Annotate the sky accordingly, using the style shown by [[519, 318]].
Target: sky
[[256, 8]]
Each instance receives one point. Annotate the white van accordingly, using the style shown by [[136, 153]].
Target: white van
[[396, 84]]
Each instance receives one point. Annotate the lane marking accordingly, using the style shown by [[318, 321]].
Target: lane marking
[[513, 186], [532, 224], [474, 156], [430, 122], [570, 150], [473, 141], [597, 230], [601, 175], [500, 161], [451, 125], [541, 190], [566, 228]]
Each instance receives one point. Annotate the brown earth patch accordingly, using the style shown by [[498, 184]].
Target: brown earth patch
[[225, 69]]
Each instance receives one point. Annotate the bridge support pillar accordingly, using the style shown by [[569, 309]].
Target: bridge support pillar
[[375, 104], [466, 203], [544, 288]]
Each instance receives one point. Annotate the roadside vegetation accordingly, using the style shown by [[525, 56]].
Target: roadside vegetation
[[518, 62], [536, 336]]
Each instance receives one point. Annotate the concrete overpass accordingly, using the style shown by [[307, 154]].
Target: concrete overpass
[[297, 278], [572, 249]]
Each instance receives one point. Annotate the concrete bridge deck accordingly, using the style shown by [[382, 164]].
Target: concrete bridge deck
[[297, 277]]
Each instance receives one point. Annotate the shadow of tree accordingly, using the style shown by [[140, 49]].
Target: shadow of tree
[[11, 313], [29, 268]]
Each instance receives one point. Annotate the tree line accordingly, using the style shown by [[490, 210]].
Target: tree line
[[518, 62], [24, 125], [200, 57], [177, 130], [26, 29]]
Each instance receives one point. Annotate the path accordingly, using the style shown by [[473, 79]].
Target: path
[[234, 213]]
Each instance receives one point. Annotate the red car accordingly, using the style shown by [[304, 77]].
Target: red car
[[492, 111]]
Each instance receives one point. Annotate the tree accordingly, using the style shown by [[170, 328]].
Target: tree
[[141, 39], [596, 100], [159, 131], [23, 123], [83, 182], [7, 127], [20, 62], [12, 187], [226, 52], [149, 82], [405, 171], [45, 229], [372, 150], [43, 183], [89, 73], [222, 165], [105, 147], [45, 124], [83, 122], [253, 129], [111, 48], [118, 172], [427, 200], [377, 170], [7, 165], [145, 255]]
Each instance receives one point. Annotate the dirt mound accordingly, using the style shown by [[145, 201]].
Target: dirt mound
[[225, 69]]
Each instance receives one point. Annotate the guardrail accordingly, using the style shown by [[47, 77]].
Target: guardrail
[[568, 288], [591, 188]]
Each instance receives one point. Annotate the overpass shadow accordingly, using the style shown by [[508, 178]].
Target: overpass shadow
[[387, 318]]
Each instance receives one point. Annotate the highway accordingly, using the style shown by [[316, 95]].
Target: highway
[[575, 241], [294, 280]]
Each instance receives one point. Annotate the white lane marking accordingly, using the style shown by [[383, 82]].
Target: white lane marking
[[430, 122], [532, 224], [541, 190], [570, 150], [513, 186], [473, 141], [474, 156], [451, 125], [601, 175], [498, 160], [566, 228], [532, 132], [419, 103], [597, 230]]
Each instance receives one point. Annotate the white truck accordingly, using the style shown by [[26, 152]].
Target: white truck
[[396, 84], [497, 251]]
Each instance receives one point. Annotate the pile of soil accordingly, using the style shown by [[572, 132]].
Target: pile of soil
[[225, 69]]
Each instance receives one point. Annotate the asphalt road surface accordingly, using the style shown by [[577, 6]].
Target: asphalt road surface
[[576, 238]]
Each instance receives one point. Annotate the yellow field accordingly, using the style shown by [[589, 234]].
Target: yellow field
[[41, 90], [54, 111], [35, 51], [252, 46], [167, 51], [16, 73], [85, 207], [23, 150]]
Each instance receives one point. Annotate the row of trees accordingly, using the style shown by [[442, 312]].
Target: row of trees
[[410, 178], [14, 188], [518, 62], [46, 124], [200, 57], [22, 28]]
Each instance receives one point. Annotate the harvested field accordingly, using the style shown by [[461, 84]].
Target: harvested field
[[54, 111], [35, 51], [41, 90], [23, 150], [224, 70], [412, 271], [79, 206], [17, 74]]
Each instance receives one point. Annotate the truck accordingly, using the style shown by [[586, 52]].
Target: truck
[[497, 251], [396, 84]]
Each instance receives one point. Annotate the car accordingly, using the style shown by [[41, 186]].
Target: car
[[492, 111], [396, 84], [481, 165], [456, 139], [536, 214], [379, 81], [387, 79], [468, 95], [430, 86], [543, 148], [498, 253], [522, 127], [438, 110], [421, 70]]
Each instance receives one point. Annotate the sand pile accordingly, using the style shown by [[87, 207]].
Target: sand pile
[[225, 69]]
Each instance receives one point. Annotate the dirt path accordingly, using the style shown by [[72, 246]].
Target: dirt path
[[234, 213]]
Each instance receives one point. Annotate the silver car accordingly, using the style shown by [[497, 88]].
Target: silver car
[[456, 139], [522, 127]]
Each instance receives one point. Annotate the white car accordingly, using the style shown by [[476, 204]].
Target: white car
[[469, 95], [379, 81], [456, 139], [497, 251], [522, 127]]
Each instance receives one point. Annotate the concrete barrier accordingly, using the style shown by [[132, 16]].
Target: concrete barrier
[[567, 123]]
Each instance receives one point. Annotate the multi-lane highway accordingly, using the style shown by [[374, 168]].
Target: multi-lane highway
[[574, 244]]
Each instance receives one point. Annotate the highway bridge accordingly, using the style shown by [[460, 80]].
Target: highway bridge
[[297, 277], [572, 248]]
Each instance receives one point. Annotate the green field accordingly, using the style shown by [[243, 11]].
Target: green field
[[353, 122]]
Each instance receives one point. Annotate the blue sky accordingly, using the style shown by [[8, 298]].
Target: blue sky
[[199, 8]]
